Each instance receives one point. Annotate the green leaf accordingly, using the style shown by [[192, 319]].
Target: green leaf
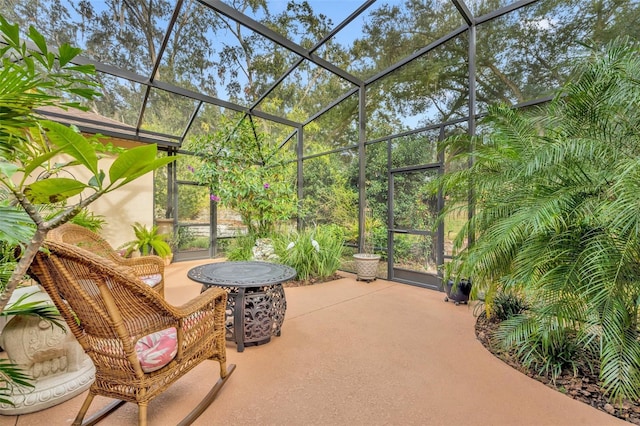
[[39, 308], [15, 225], [84, 69], [8, 169], [136, 162], [75, 105], [66, 53], [72, 143], [131, 161], [51, 60], [11, 32], [38, 39], [12, 375], [155, 164], [39, 161], [97, 180], [85, 92], [53, 190]]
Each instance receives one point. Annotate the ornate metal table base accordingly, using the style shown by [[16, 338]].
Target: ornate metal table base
[[254, 314], [256, 304]]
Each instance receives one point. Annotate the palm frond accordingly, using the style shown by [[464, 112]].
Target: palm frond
[[557, 215], [12, 379], [41, 309]]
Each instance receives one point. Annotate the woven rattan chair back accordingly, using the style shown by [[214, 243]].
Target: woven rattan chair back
[[108, 309], [146, 267], [84, 238]]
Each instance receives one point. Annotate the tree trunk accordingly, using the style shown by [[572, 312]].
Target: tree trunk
[[21, 268]]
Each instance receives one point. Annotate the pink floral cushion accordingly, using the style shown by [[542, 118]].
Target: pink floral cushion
[[151, 280], [157, 349]]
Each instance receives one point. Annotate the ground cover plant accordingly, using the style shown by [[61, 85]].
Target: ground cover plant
[[557, 217], [583, 386]]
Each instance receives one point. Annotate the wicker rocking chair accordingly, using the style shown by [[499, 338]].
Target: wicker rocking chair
[[150, 269], [117, 319]]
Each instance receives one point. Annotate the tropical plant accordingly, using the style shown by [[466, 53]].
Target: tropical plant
[[557, 211], [38, 308], [507, 304], [148, 241], [547, 344], [12, 376], [88, 219], [35, 153]]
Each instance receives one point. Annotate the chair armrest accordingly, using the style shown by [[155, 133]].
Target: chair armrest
[[201, 321], [203, 300], [144, 265]]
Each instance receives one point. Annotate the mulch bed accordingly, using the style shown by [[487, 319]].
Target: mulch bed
[[311, 281], [583, 387]]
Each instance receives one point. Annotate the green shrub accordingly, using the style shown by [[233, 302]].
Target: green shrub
[[313, 252], [91, 221], [506, 305], [183, 237], [241, 248], [546, 344], [223, 246], [199, 243], [555, 199], [148, 241]]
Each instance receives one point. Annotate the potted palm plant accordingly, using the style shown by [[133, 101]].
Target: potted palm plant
[[148, 241]]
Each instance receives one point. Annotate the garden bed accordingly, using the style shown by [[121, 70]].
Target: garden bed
[[583, 387], [311, 281]]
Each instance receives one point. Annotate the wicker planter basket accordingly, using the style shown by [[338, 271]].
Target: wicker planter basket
[[366, 266]]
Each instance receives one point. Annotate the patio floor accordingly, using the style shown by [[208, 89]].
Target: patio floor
[[353, 353]]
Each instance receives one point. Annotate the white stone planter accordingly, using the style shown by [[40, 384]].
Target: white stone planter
[[52, 357], [366, 266]]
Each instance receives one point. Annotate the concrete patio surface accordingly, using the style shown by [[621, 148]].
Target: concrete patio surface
[[353, 353]]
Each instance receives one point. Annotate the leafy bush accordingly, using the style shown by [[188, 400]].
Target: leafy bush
[[187, 239], [555, 194], [506, 305], [546, 344], [314, 252], [183, 237], [91, 221], [241, 248], [200, 243], [240, 176], [223, 246]]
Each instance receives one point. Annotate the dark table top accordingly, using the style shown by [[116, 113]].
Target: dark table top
[[241, 273]]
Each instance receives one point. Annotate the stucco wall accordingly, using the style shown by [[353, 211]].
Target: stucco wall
[[124, 206]]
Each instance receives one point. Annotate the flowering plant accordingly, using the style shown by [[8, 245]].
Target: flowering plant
[[249, 175], [313, 252]]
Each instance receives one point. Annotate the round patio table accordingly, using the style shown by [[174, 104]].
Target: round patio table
[[256, 302]]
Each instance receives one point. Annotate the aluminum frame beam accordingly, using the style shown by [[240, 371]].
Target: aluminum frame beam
[[265, 31]]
